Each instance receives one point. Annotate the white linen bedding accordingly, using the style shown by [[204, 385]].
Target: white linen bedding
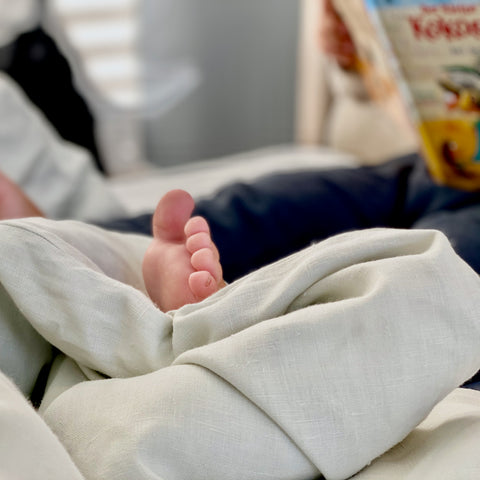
[[139, 192], [317, 364]]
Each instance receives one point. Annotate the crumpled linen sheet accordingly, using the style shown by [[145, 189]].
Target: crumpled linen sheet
[[315, 365]]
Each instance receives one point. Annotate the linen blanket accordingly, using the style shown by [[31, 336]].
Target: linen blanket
[[322, 364]]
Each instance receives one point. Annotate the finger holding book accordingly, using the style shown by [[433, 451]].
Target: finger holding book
[[334, 38]]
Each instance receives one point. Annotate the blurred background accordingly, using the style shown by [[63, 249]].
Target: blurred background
[[163, 94], [159, 82]]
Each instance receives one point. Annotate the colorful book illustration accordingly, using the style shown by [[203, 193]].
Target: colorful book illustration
[[421, 61]]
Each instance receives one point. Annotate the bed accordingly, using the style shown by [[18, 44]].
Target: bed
[[342, 361]]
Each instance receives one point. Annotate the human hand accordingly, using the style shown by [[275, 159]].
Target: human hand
[[334, 38]]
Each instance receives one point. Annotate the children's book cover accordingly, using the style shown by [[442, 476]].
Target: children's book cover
[[421, 60]]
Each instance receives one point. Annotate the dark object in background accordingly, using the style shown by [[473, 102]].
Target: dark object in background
[[39, 68]]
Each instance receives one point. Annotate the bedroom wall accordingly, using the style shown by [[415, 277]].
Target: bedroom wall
[[227, 69]]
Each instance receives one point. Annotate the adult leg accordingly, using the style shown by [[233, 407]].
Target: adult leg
[[462, 228], [454, 212], [256, 224], [425, 197], [141, 224]]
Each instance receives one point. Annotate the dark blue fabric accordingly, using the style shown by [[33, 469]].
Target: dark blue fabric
[[255, 224], [141, 224], [279, 214]]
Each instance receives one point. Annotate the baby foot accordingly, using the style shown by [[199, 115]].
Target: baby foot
[[182, 264], [14, 203]]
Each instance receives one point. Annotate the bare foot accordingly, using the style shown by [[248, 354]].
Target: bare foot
[[14, 203], [182, 264]]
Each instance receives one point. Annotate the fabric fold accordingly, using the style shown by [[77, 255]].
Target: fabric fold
[[28, 448], [81, 289], [367, 334], [315, 365]]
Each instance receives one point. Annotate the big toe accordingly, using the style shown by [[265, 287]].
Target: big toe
[[171, 215]]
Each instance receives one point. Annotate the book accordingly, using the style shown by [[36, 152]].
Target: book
[[421, 61]]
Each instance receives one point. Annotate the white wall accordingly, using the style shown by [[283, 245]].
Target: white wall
[[235, 62]]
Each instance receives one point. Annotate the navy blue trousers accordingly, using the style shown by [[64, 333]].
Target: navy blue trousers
[[256, 224]]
